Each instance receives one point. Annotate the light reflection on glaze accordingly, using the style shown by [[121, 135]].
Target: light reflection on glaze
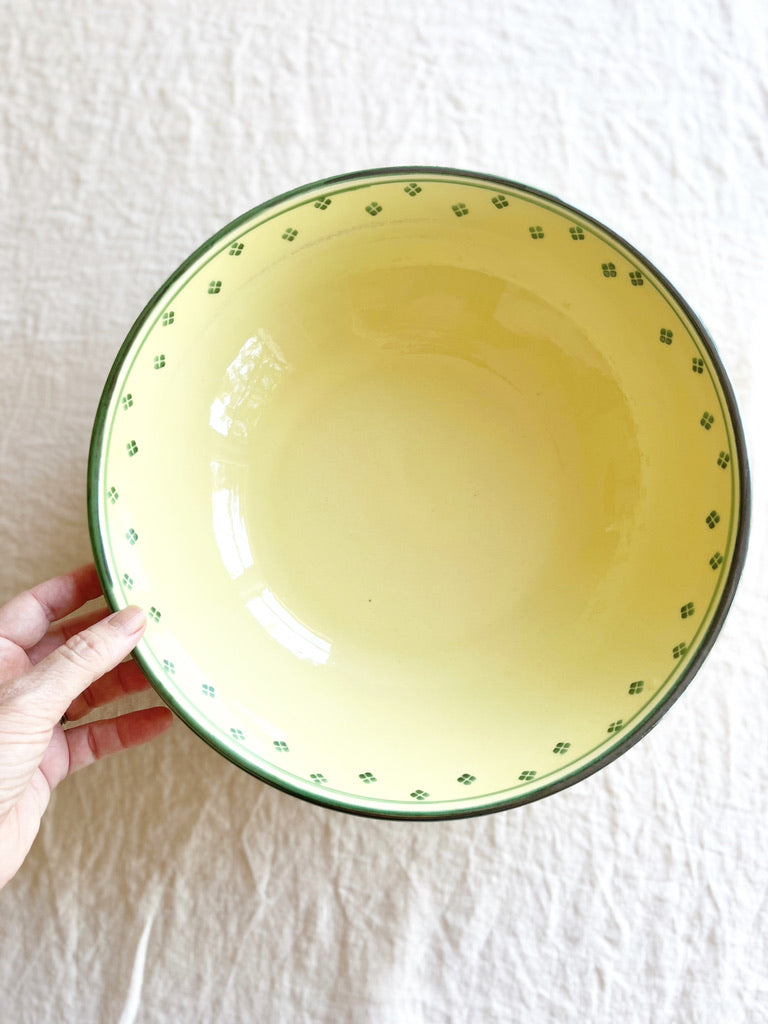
[[253, 373], [287, 630], [230, 531]]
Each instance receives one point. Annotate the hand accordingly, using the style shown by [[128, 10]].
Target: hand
[[48, 671]]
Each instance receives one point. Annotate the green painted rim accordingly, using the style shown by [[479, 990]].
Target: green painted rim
[[631, 733]]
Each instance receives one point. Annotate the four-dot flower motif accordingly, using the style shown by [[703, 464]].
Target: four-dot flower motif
[[723, 459], [112, 495], [374, 209], [169, 666], [636, 687], [697, 364], [561, 748], [615, 726], [636, 278], [155, 614], [237, 734], [679, 650], [289, 234], [167, 318], [159, 362], [367, 777], [707, 419], [460, 209], [412, 189], [527, 775], [712, 519], [236, 248], [536, 231], [318, 777], [716, 560], [322, 203], [500, 201], [576, 233], [214, 287], [127, 401], [687, 610], [131, 448], [665, 336], [609, 269], [127, 581], [208, 690], [281, 746], [466, 779], [419, 794]]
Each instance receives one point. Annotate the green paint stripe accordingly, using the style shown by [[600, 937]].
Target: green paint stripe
[[143, 328]]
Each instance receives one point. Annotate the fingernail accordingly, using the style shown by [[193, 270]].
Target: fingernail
[[128, 620]]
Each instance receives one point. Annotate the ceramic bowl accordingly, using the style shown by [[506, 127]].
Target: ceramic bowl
[[434, 490]]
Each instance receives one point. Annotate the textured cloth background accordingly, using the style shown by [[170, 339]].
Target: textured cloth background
[[168, 886]]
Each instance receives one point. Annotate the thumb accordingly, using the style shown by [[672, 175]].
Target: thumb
[[56, 680]]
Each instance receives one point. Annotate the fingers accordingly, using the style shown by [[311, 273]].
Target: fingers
[[25, 619], [127, 678], [50, 686], [56, 636], [89, 743]]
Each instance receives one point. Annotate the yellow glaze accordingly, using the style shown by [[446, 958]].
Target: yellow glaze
[[423, 492]]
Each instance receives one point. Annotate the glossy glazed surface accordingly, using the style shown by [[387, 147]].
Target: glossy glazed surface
[[432, 489]]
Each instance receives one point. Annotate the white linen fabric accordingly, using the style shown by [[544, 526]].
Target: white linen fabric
[[166, 885]]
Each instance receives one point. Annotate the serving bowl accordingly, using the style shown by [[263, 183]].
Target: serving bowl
[[434, 490]]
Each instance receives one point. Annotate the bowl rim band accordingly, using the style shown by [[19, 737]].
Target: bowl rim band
[[322, 797]]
